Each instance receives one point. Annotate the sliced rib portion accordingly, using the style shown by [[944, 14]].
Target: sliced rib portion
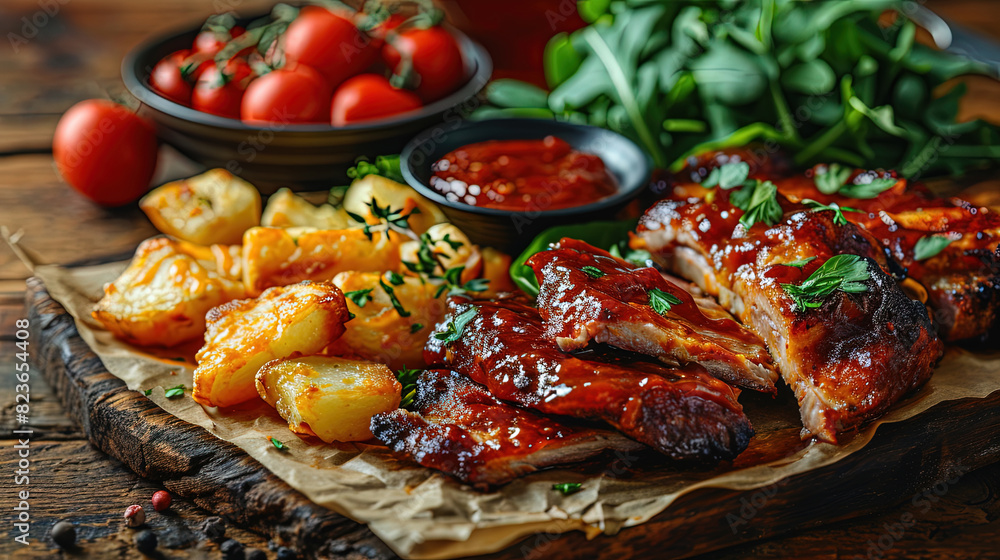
[[847, 360], [587, 294], [683, 413], [458, 428], [962, 279]]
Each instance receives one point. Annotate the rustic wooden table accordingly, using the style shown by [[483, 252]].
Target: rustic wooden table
[[57, 52]]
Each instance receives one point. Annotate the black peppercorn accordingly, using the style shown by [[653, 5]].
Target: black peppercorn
[[64, 534], [145, 541]]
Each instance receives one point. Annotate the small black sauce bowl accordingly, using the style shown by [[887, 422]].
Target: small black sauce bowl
[[304, 156], [508, 230]]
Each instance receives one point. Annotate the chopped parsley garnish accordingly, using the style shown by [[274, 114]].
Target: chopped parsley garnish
[[408, 379], [147, 392], [929, 246], [457, 324], [868, 190], [454, 286], [592, 271], [395, 278], [846, 273], [759, 202], [800, 263], [834, 177], [360, 297], [638, 257], [172, 392], [728, 176], [451, 242], [838, 211], [567, 488], [416, 327], [276, 443], [661, 301]]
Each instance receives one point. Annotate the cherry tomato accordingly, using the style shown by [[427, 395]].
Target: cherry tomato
[[436, 56], [330, 43], [221, 92], [369, 96], [105, 151], [210, 42], [294, 94], [172, 77]]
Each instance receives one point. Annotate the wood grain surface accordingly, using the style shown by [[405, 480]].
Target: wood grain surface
[[76, 55]]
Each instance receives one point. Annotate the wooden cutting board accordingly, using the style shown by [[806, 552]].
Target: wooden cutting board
[[902, 460]]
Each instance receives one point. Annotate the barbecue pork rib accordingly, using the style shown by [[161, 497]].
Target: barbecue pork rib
[[458, 428], [962, 280], [847, 360], [683, 413], [586, 295]]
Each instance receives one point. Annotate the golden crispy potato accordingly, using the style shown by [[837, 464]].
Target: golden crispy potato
[[394, 195], [162, 297], [279, 257], [214, 207], [496, 269], [378, 332], [243, 335], [331, 398], [287, 209]]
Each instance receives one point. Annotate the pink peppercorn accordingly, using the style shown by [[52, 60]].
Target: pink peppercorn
[[161, 500]]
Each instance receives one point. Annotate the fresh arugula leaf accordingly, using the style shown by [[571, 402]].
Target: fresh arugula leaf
[[846, 273], [454, 328], [567, 488], [592, 271], [661, 301], [360, 297], [929, 246], [799, 263], [172, 392]]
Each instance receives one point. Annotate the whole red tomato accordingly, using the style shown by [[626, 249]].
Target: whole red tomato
[[369, 96], [221, 92], [436, 56], [211, 41], [105, 151], [294, 94], [330, 43]]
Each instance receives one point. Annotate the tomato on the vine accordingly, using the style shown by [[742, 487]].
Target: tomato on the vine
[[211, 41], [329, 42], [436, 57], [173, 77], [221, 92], [105, 151], [293, 94], [369, 96]]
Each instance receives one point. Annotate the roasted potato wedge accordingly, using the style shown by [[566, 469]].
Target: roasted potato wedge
[[378, 332], [287, 209], [279, 257], [163, 295], [214, 207], [333, 399], [394, 195], [243, 335]]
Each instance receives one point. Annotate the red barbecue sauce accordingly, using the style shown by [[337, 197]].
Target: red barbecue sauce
[[522, 175]]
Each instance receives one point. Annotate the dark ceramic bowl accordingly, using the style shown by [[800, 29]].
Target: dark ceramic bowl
[[510, 230], [296, 155]]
